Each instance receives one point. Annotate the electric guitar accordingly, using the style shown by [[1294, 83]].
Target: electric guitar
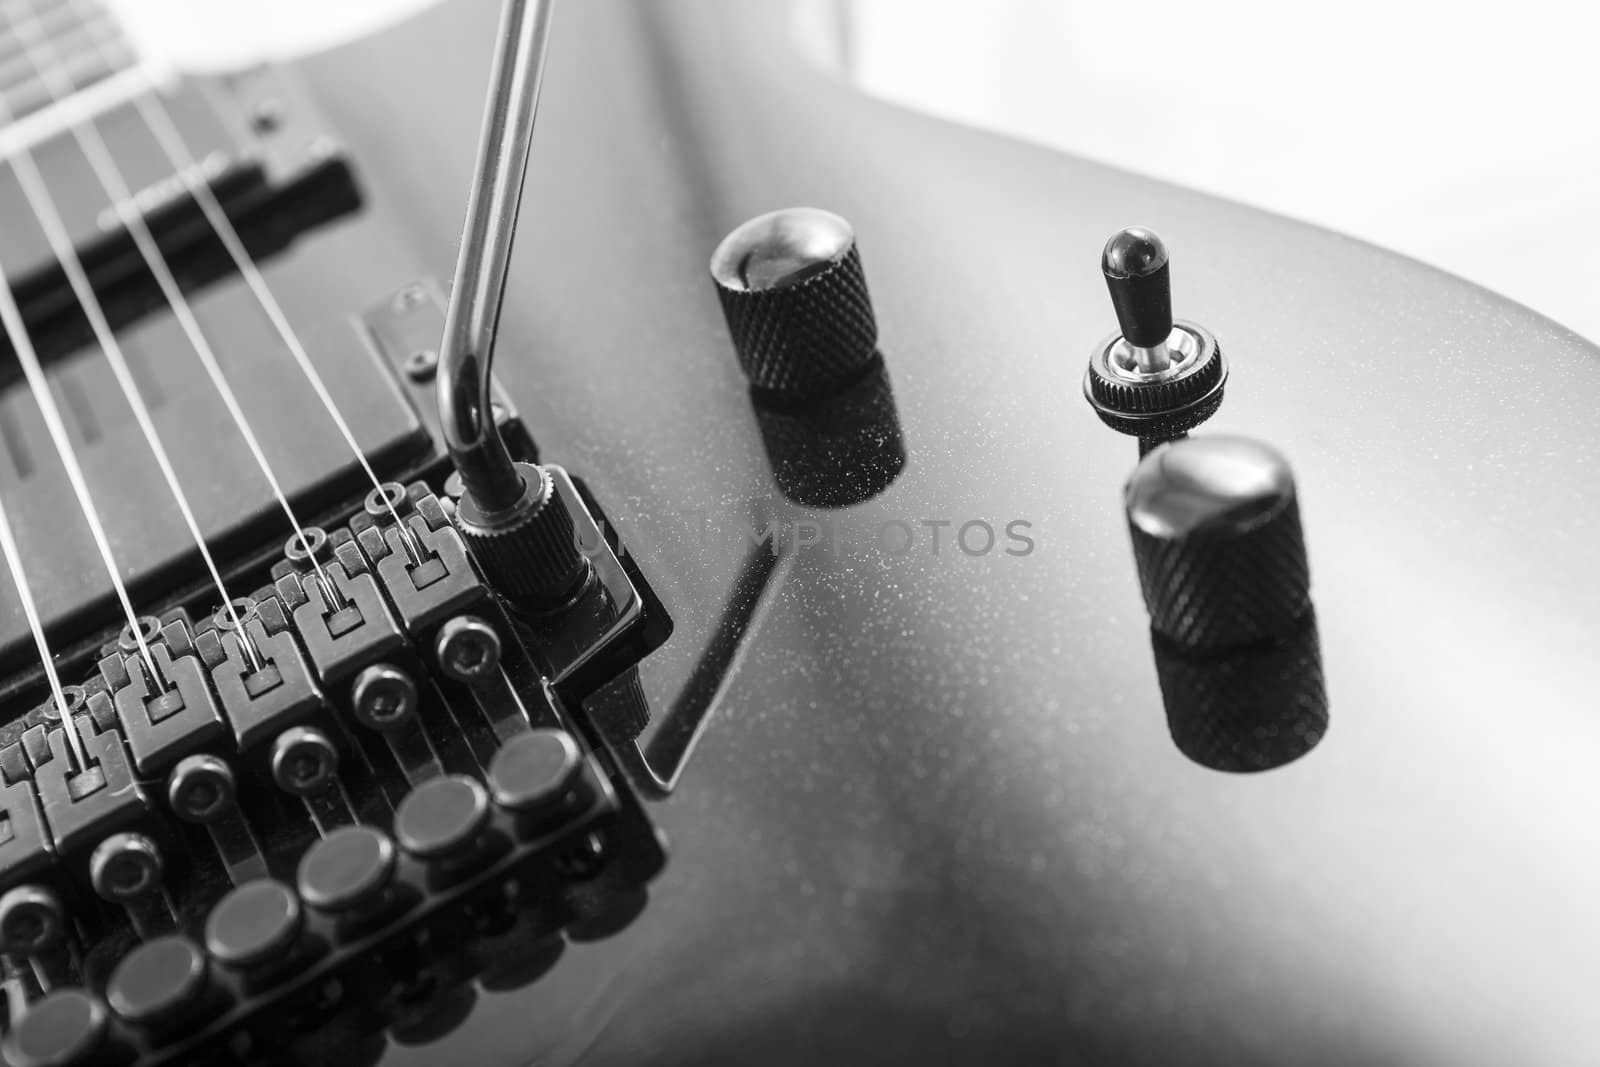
[[834, 631]]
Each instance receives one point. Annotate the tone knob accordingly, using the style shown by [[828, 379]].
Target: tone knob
[[1216, 533], [1157, 377], [795, 297]]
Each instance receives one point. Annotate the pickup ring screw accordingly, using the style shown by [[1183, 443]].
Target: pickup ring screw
[[422, 365], [468, 649], [409, 297], [384, 697], [267, 116]]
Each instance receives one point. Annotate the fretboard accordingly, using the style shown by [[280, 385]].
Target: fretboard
[[54, 50]]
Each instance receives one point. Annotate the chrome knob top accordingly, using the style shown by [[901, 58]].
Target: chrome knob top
[[781, 248], [796, 301]]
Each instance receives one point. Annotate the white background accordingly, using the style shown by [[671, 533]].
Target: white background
[[1463, 133], [1460, 133]]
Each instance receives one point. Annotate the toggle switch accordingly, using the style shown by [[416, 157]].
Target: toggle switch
[[1158, 377]]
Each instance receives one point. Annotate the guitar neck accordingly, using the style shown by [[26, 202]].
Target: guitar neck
[[60, 60]]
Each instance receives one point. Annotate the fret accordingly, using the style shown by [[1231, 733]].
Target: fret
[[52, 15], [85, 46], [52, 23], [80, 40], [85, 61], [80, 71], [77, 39]]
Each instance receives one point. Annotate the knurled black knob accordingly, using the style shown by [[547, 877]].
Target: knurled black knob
[[529, 552], [1157, 376], [796, 301], [1217, 537]]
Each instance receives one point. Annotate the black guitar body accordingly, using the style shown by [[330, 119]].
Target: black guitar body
[[922, 797]]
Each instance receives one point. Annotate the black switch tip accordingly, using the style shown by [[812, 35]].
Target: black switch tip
[[1135, 265]]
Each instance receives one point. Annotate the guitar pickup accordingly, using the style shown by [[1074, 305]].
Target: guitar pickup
[[271, 185]]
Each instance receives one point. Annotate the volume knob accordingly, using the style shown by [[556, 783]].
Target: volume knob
[[795, 298], [1216, 534]]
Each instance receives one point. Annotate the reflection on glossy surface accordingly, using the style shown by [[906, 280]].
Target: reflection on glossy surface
[[840, 451], [441, 1011], [655, 763], [939, 817], [1249, 710]]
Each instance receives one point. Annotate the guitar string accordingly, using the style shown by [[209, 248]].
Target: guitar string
[[174, 146], [45, 210], [22, 344], [152, 107], [87, 134], [19, 578], [157, 117]]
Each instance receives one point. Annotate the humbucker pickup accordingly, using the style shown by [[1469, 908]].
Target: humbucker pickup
[[274, 177]]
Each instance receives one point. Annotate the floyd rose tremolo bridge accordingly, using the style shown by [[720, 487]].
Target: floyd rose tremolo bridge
[[380, 756], [298, 823]]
